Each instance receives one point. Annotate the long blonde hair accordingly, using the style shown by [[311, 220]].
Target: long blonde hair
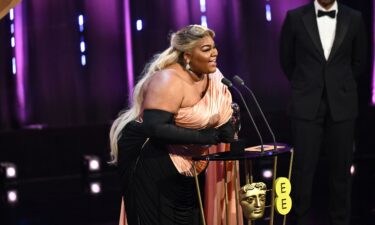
[[181, 41]]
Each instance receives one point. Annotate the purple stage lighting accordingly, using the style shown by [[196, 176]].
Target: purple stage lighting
[[12, 196], [204, 21], [83, 60], [267, 173], [14, 66], [8, 170], [202, 4], [95, 188], [18, 61], [82, 44], [139, 25], [373, 69], [91, 163], [128, 47], [268, 12], [80, 23], [11, 14]]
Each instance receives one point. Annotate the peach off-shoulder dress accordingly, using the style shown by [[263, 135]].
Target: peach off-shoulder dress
[[213, 110]]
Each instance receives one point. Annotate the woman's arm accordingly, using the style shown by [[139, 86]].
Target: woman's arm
[[163, 98]]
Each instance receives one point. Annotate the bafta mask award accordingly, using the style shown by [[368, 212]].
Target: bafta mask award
[[253, 200]]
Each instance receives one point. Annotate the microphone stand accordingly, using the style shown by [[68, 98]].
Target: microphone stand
[[240, 82], [230, 85]]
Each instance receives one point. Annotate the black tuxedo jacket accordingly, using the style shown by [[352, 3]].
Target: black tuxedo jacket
[[303, 62]]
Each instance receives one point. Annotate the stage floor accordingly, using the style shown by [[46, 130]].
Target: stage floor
[[68, 200]]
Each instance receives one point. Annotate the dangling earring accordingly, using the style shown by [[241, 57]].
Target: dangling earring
[[187, 66]]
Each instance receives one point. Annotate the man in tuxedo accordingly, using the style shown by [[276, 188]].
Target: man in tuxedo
[[322, 53]]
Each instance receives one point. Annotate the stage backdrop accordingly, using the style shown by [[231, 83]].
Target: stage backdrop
[[52, 88]]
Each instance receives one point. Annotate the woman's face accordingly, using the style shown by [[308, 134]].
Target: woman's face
[[202, 58]]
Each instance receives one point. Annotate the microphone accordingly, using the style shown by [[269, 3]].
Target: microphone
[[230, 85], [240, 82]]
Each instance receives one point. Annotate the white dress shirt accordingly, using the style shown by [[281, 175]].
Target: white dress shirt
[[326, 27]]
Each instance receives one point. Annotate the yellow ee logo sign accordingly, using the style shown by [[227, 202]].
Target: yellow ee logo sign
[[283, 202]]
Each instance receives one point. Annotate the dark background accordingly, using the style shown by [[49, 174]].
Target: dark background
[[67, 108]]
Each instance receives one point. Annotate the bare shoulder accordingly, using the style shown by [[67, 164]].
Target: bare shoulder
[[164, 91], [167, 78]]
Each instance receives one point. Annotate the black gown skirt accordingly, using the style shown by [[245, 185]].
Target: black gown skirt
[[155, 193]]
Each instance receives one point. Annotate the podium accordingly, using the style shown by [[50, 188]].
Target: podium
[[248, 155]]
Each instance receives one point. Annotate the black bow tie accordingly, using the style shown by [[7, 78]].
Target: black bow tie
[[331, 14]]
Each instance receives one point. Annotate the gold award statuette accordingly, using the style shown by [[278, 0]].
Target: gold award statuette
[[283, 201], [253, 200]]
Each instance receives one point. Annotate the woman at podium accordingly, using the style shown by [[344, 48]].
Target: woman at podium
[[180, 108]]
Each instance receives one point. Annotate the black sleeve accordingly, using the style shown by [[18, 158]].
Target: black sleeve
[[286, 54], [226, 132], [359, 52], [160, 124]]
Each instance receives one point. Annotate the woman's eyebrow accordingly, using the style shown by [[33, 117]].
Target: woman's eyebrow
[[208, 45]]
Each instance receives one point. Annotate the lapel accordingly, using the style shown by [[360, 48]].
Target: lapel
[[311, 25], [309, 20], [343, 20]]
